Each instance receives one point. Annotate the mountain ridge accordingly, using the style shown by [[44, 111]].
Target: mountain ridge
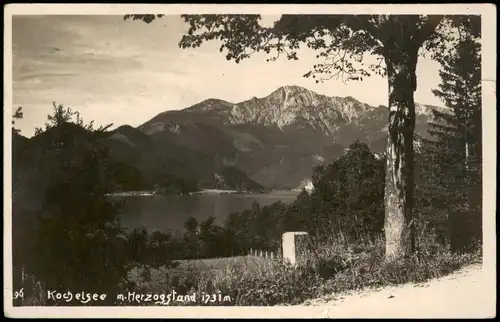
[[278, 138], [289, 103], [272, 142]]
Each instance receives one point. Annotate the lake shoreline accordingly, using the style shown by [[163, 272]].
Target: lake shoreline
[[213, 192], [169, 212]]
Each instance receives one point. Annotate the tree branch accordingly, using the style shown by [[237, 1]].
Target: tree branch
[[427, 29], [373, 29]]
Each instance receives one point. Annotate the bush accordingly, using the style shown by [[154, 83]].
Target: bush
[[338, 267]]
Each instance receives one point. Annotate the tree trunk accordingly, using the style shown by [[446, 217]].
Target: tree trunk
[[400, 230]]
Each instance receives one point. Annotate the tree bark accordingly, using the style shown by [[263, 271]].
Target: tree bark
[[399, 227]]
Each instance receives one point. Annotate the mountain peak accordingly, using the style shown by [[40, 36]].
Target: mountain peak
[[210, 104], [287, 90], [292, 104], [293, 88]]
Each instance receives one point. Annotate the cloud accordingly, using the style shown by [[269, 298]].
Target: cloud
[[125, 72]]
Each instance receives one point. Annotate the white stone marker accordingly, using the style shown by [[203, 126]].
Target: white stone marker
[[289, 246]]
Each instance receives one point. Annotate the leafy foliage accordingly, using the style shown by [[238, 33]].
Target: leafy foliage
[[17, 116], [340, 40], [347, 199], [125, 177], [230, 177], [147, 18], [450, 175], [73, 240], [176, 185], [63, 115], [348, 195]]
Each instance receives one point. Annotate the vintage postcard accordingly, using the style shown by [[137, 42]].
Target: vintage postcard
[[286, 161]]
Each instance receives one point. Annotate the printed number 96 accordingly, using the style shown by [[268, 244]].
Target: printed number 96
[[18, 294]]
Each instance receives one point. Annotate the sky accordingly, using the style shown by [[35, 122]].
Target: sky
[[126, 72]]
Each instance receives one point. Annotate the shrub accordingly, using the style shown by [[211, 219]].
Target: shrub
[[337, 267]]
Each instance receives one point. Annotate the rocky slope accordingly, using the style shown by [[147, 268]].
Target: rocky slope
[[290, 105], [276, 140]]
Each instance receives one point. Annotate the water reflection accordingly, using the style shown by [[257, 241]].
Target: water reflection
[[168, 213]]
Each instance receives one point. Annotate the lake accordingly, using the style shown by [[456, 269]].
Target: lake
[[168, 213]]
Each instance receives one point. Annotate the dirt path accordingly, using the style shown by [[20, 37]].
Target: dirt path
[[469, 293]]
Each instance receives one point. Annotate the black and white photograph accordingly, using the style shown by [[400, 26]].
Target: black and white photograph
[[261, 160]]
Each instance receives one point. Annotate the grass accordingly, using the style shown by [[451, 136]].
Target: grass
[[250, 262], [337, 267], [151, 278]]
